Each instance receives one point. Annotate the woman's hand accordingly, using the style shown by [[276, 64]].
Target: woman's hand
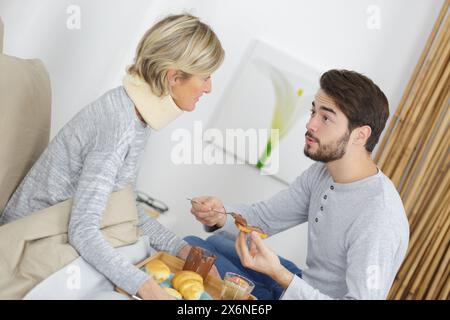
[[209, 211], [150, 290], [262, 259]]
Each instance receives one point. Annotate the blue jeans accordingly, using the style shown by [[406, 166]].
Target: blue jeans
[[227, 260]]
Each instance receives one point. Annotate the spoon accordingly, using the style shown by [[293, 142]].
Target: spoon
[[237, 217], [238, 220]]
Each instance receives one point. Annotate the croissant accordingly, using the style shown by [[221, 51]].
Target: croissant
[[158, 270], [248, 229], [243, 226], [189, 284]]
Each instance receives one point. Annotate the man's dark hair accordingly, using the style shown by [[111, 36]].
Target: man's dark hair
[[361, 100]]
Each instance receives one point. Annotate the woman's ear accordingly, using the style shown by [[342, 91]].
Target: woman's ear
[[172, 76], [175, 76]]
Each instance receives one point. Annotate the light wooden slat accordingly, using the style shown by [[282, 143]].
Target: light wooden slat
[[415, 154]]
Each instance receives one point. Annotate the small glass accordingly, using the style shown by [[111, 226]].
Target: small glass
[[236, 287], [200, 260]]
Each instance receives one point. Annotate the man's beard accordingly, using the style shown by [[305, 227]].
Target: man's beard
[[327, 152]]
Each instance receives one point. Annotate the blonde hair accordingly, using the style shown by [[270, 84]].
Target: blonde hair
[[180, 42]]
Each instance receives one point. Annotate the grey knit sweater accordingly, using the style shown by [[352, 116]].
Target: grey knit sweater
[[95, 154]]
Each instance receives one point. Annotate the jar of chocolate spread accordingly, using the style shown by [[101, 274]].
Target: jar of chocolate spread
[[200, 260]]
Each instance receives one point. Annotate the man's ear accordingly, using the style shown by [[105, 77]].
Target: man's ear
[[362, 134]]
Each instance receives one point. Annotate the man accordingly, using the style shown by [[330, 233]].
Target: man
[[357, 228]]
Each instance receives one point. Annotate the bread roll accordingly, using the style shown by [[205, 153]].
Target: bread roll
[[174, 293], [189, 284], [158, 270]]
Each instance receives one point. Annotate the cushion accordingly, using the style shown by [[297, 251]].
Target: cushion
[[25, 100], [34, 247], [1, 35]]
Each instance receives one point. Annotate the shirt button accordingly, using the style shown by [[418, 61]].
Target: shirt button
[[325, 197], [321, 208], [332, 187], [317, 219]]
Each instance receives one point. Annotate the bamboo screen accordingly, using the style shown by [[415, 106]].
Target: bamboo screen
[[415, 155]]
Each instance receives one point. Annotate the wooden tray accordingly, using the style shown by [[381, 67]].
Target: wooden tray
[[213, 285]]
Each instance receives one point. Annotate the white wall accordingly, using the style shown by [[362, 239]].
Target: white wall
[[325, 33]]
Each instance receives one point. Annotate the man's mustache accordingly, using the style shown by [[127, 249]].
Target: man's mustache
[[309, 135]]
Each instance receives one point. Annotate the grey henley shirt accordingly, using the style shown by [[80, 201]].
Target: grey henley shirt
[[358, 233]]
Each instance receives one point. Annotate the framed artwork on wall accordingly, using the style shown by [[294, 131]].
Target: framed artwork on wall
[[265, 110]]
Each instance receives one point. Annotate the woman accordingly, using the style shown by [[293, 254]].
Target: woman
[[97, 152]]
